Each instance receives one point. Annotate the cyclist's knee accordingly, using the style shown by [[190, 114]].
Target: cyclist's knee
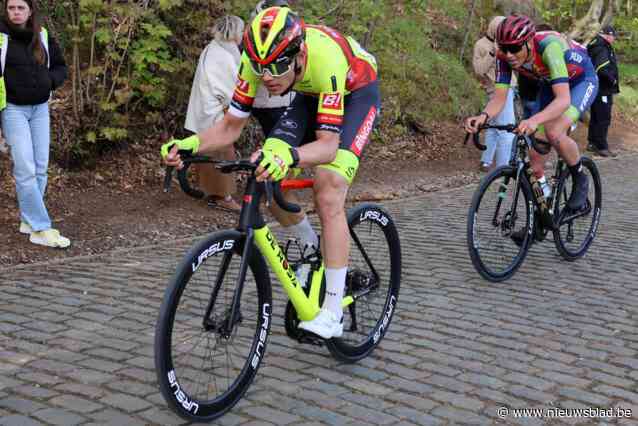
[[330, 193], [556, 131]]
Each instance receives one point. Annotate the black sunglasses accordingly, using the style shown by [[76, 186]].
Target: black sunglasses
[[511, 48]]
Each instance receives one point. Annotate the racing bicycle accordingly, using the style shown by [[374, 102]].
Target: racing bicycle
[[510, 198], [215, 318]]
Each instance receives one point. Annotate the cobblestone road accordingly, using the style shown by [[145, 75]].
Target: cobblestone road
[[76, 337]]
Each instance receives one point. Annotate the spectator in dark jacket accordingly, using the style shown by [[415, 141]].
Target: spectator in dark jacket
[[604, 59], [32, 67]]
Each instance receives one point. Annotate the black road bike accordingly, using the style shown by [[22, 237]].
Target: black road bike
[[510, 199]]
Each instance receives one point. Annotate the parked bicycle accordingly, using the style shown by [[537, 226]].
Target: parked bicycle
[[510, 199], [215, 318]]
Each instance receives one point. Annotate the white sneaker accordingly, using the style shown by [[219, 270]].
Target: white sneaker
[[325, 324], [25, 228], [49, 238]]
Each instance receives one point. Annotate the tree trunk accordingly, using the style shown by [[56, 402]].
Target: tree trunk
[[468, 23], [613, 8], [586, 28]]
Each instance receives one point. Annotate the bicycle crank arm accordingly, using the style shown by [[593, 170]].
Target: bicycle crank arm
[[564, 219]]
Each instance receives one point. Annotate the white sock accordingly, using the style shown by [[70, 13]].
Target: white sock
[[335, 283], [304, 232]]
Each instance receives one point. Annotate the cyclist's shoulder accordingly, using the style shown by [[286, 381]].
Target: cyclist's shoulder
[[324, 41], [325, 53], [546, 39]]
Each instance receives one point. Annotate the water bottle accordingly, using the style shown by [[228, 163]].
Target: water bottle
[[547, 189], [303, 264]]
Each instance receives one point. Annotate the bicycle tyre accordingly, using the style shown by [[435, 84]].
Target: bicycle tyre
[[561, 234], [373, 311], [505, 176], [175, 367]]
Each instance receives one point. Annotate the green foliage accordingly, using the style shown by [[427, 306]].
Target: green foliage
[[627, 100], [627, 44], [560, 14], [628, 74]]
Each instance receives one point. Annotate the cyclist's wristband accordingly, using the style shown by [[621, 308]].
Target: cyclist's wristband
[[295, 157]]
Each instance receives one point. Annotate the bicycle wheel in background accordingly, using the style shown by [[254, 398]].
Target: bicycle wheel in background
[[493, 218], [573, 237], [373, 279], [202, 369]]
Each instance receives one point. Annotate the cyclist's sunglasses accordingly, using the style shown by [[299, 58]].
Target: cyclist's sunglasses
[[511, 48], [280, 67]]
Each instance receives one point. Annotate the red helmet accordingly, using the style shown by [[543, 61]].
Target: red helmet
[[515, 29], [274, 33]]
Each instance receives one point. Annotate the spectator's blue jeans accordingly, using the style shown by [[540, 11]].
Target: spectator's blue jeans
[[26, 130], [499, 142]]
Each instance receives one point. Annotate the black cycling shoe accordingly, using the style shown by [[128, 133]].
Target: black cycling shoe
[[580, 189]]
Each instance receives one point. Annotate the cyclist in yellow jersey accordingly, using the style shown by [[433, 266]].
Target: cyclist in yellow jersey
[[327, 125]]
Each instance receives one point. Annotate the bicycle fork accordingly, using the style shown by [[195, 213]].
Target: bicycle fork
[[233, 315]]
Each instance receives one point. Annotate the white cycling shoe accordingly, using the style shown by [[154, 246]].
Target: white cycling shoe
[[325, 325]]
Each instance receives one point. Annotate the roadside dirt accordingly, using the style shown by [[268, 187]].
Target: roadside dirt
[[120, 204]]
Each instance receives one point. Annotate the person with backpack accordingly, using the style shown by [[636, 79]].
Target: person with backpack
[[32, 67]]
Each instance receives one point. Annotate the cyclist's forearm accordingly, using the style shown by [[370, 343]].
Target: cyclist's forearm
[[221, 135], [321, 151], [497, 102]]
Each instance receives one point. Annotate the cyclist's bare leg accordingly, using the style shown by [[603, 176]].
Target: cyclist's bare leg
[[537, 161], [330, 192], [286, 218], [557, 134], [330, 198], [556, 131]]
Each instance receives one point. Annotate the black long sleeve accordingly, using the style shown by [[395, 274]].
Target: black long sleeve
[[58, 70]]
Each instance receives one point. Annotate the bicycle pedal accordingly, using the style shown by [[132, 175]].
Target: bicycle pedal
[[310, 339]]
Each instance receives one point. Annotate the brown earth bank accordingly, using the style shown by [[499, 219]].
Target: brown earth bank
[[120, 204]]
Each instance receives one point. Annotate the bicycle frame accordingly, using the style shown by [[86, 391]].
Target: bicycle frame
[[259, 236]]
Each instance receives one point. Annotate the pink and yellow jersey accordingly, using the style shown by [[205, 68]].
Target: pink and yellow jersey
[[336, 66]]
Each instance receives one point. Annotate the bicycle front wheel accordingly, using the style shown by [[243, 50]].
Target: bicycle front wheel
[[499, 209], [205, 360], [574, 236], [373, 281]]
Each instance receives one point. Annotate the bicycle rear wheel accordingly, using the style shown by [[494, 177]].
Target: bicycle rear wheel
[[205, 363], [373, 280], [493, 218], [574, 236]]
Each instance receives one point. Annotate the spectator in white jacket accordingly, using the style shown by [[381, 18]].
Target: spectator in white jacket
[[211, 93]]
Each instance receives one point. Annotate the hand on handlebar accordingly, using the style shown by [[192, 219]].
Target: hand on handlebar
[[274, 160], [473, 124], [169, 150], [527, 127]]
